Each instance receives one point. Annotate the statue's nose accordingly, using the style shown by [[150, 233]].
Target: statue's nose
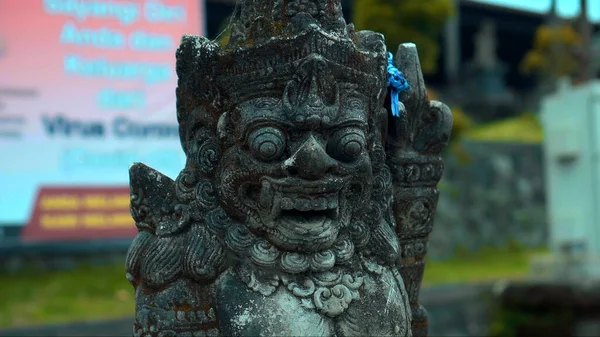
[[310, 161]]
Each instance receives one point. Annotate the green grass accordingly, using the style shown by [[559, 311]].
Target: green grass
[[99, 292], [525, 128], [488, 264], [85, 293]]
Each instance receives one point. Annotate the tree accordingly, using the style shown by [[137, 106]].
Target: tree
[[417, 21], [555, 53], [558, 51]]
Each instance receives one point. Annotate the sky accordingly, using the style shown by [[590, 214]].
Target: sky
[[566, 8]]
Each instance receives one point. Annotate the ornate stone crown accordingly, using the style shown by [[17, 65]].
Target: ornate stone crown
[[281, 46]]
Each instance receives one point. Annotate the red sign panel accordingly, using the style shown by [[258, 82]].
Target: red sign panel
[[76, 213]]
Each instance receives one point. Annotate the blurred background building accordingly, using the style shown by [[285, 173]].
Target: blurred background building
[[68, 133]]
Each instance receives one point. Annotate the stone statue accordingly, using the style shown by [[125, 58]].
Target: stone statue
[[304, 207], [486, 91], [485, 45]]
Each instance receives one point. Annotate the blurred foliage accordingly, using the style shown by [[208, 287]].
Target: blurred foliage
[[449, 189], [512, 323], [525, 128], [554, 53], [462, 123], [416, 21], [486, 264]]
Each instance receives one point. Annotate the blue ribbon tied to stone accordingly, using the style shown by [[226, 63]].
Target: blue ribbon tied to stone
[[397, 84]]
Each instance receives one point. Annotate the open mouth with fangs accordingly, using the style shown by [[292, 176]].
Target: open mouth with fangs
[[309, 214], [297, 211]]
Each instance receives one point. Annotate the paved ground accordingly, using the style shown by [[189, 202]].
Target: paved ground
[[112, 328]]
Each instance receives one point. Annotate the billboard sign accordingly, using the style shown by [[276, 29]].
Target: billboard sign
[[87, 87]]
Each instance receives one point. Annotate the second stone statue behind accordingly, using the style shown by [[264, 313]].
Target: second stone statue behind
[[285, 220]]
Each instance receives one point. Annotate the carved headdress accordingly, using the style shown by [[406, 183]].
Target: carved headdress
[[298, 50], [296, 172]]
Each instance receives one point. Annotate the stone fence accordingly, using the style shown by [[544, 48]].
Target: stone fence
[[495, 198]]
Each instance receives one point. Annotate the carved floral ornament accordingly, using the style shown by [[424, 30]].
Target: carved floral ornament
[[299, 211]]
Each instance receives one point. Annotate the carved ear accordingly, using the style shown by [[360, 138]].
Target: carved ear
[[434, 136]]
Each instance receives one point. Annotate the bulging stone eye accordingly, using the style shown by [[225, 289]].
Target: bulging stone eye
[[267, 143], [347, 144]]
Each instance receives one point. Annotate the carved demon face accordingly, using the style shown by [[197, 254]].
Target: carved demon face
[[300, 166]]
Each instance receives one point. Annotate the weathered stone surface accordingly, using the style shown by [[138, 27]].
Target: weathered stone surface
[[304, 208]]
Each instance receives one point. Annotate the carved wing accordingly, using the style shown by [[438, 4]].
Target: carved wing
[[414, 144], [152, 204]]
